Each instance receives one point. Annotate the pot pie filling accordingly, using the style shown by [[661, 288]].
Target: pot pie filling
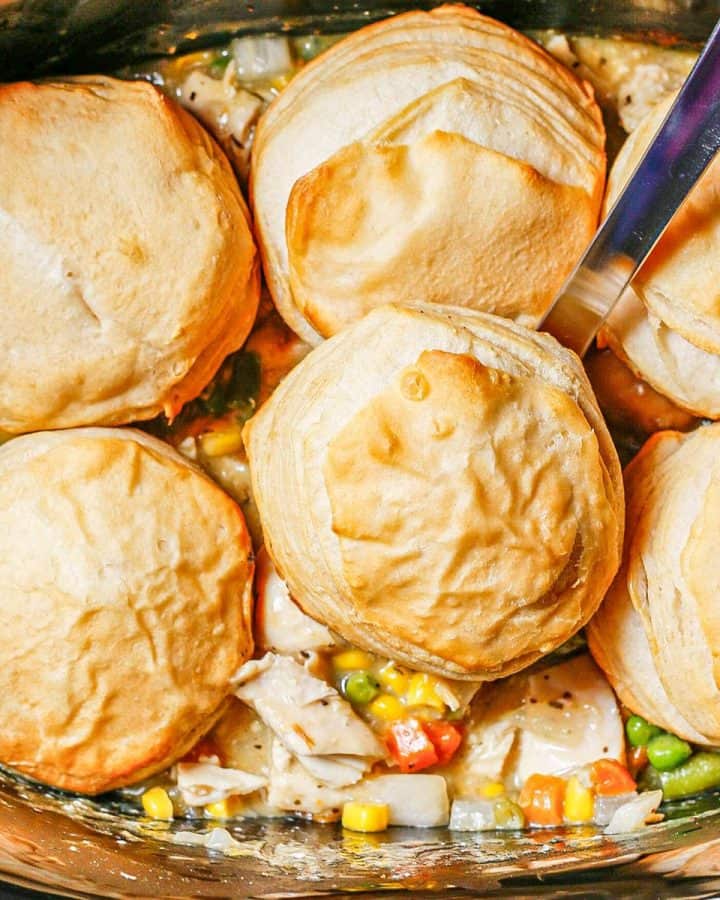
[[325, 729]]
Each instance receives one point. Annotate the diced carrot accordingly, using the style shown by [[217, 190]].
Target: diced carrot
[[541, 799], [410, 746], [609, 777], [445, 737]]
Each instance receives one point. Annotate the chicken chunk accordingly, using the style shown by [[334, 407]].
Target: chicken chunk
[[280, 625], [293, 788], [203, 783], [308, 716], [549, 721]]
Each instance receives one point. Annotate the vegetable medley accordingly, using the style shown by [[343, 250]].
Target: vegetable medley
[[366, 728]]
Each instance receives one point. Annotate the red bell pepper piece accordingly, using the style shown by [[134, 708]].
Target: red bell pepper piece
[[445, 738], [609, 777], [410, 746]]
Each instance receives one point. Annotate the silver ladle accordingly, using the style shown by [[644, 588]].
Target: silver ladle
[[682, 149]]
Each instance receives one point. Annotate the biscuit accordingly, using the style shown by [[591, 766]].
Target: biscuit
[[126, 606], [438, 486], [127, 266]]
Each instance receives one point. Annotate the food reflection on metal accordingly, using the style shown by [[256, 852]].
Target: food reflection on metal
[[51, 840], [687, 142]]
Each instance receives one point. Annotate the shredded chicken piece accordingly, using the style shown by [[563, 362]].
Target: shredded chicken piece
[[306, 714], [280, 625], [203, 783], [292, 787], [335, 771], [228, 111], [547, 721]]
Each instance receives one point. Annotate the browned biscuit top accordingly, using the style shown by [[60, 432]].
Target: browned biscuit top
[[126, 605]]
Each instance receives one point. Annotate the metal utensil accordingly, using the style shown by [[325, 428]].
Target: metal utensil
[[679, 154]]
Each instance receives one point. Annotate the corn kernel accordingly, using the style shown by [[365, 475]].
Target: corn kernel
[[393, 679], [218, 443], [422, 692], [492, 789], [352, 659], [579, 804], [224, 809], [157, 804], [280, 81], [365, 816], [218, 810], [386, 707]]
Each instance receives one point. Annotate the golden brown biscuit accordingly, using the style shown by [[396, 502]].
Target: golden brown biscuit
[[679, 280], [437, 485], [615, 633], [656, 633], [126, 606], [667, 326], [362, 229], [676, 368], [127, 266], [344, 142]]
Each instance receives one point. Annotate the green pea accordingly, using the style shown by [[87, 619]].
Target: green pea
[[360, 687], [666, 751], [508, 815], [699, 773], [639, 731], [220, 64]]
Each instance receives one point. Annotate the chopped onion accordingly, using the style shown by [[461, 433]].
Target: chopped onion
[[631, 815], [456, 694], [473, 815], [256, 57], [606, 807]]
